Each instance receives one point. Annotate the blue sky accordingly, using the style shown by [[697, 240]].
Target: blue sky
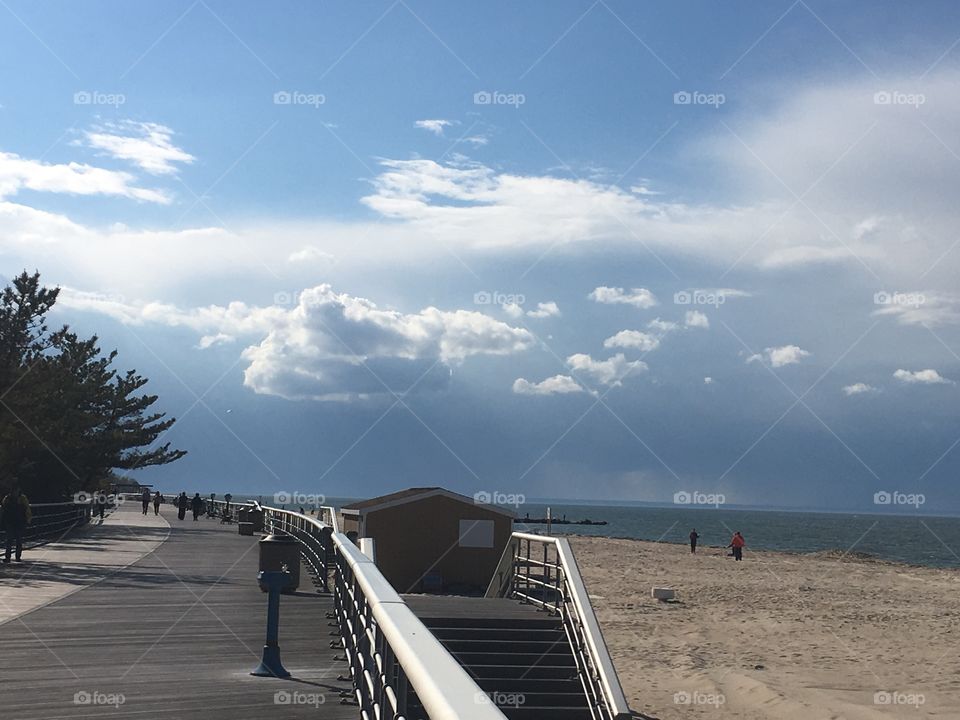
[[589, 250]]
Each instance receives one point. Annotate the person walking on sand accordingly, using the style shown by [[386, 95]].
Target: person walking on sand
[[196, 505], [15, 515], [694, 536], [182, 503], [157, 499], [145, 500], [737, 543]]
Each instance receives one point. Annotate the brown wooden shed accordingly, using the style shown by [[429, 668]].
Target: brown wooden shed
[[430, 539]]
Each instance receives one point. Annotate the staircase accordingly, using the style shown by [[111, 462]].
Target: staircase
[[519, 657]]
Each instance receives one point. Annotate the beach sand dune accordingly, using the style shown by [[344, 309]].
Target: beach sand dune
[[778, 636]]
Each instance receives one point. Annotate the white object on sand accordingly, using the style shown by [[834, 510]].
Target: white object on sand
[[662, 593]]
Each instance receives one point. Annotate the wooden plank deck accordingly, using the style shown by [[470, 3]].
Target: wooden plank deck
[[176, 635]]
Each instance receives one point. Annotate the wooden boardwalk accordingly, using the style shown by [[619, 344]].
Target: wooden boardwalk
[[172, 636]]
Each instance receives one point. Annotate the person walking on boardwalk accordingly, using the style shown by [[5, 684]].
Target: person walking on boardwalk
[[145, 500], [157, 499], [182, 506], [196, 505], [737, 543], [99, 503], [14, 517], [694, 536]]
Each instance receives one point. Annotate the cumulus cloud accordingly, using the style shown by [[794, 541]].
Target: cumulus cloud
[[638, 297], [331, 346], [634, 339], [663, 326], [858, 389], [708, 380], [696, 319], [17, 173], [924, 308], [512, 309], [556, 385], [607, 372], [780, 356], [921, 377], [147, 145], [310, 254], [545, 310], [434, 126]]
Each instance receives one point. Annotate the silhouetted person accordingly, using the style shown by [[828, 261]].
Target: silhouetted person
[[196, 505], [100, 504], [737, 543], [157, 499], [145, 500], [182, 503], [694, 536], [14, 517]]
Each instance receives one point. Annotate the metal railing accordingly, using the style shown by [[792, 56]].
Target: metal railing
[[542, 570], [53, 520], [393, 657]]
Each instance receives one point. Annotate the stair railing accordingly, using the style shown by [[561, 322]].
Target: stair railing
[[542, 571], [392, 655]]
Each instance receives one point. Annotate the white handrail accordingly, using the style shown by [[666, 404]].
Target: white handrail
[[444, 688], [597, 647]]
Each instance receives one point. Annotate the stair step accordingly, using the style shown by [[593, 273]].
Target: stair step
[[557, 646], [529, 712], [536, 621], [525, 659], [569, 684], [494, 670], [498, 633]]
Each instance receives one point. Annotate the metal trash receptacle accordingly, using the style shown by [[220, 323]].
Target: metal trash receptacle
[[278, 552], [256, 517]]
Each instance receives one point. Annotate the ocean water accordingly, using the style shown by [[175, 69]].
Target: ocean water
[[919, 540]]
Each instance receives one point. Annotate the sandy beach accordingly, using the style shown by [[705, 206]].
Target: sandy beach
[[778, 636]]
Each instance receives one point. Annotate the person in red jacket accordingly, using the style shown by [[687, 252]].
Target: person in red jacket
[[737, 543]]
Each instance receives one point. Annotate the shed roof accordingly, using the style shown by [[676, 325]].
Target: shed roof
[[401, 497]]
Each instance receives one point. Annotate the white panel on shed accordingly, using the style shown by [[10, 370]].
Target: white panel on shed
[[476, 533]]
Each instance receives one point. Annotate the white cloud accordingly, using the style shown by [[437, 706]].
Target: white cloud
[[512, 309], [147, 145], [638, 297], [921, 377], [607, 372], [708, 380], [925, 308], [434, 126], [663, 326], [858, 389], [558, 384], [17, 173], [642, 341], [696, 319], [780, 356], [545, 310], [310, 254]]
